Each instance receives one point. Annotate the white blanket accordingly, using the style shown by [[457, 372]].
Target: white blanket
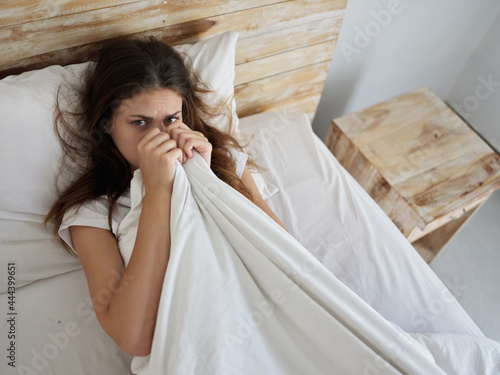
[[241, 296]]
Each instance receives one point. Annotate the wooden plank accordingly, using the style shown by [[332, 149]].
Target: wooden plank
[[14, 12], [277, 92], [465, 183], [450, 216], [283, 62], [430, 245], [282, 15], [305, 31], [47, 35], [300, 104]]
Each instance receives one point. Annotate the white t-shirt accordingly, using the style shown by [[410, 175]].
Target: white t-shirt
[[94, 213]]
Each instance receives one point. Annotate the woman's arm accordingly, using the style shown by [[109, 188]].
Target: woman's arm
[[126, 300], [248, 181]]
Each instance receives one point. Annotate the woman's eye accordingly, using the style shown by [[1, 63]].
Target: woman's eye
[[139, 122], [171, 120]]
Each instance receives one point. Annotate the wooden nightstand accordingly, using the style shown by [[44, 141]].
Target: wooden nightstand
[[425, 167]]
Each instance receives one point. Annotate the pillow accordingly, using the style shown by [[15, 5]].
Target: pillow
[[30, 152], [214, 61]]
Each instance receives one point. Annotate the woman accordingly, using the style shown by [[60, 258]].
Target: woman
[[140, 108]]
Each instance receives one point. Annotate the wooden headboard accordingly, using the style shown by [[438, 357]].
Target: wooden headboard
[[282, 57]]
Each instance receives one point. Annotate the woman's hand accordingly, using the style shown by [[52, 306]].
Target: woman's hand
[[188, 139], [158, 154]]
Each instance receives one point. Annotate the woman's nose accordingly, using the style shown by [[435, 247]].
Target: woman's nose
[[161, 126]]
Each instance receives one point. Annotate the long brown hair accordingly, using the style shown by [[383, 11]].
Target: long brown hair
[[124, 68]]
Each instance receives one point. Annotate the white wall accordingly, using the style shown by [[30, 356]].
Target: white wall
[[476, 93], [388, 47]]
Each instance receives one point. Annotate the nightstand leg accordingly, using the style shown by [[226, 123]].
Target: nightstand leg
[[431, 244]]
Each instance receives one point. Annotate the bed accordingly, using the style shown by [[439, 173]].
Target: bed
[[273, 56]]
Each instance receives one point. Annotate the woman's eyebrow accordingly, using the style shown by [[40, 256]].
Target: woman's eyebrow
[[142, 117], [150, 118], [174, 114]]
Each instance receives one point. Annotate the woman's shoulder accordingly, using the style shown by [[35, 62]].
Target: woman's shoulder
[[94, 213], [240, 158]]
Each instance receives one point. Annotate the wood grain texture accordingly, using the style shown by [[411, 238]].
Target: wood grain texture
[[283, 62], [279, 40], [309, 30], [174, 34], [280, 93], [14, 12], [421, 163], [429, 245], [74, 29]]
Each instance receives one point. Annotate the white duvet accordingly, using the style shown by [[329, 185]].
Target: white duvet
[[241, 296]]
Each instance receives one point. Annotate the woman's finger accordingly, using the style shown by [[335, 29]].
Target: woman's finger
[[152, 139], [173, 129], [184, 136], [165, 147], [202, 146], [151, 134]]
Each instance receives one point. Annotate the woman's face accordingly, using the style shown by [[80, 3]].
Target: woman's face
[[136, 115]]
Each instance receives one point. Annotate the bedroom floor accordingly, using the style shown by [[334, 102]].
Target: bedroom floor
[[470, 267]]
